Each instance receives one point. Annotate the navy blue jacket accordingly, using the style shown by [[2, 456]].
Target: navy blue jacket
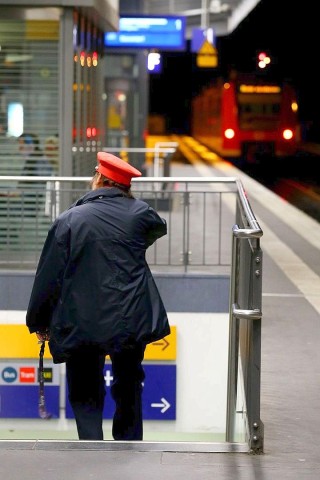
[[93, 285]]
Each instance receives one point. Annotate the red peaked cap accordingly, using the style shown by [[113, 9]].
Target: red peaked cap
[[116, 169]]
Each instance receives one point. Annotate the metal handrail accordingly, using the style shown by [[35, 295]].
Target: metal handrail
[[247, 210], [254, 314], [30, 178]]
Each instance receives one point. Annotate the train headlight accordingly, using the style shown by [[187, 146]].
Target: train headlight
[[229, 133], [287, 134]]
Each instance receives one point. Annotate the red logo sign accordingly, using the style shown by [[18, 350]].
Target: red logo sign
[[27, 374]]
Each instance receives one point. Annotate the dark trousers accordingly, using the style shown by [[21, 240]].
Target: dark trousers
[[86, 386]]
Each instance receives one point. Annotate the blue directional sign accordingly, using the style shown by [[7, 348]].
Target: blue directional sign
[[158, 398], [159, 392], [19, 391]]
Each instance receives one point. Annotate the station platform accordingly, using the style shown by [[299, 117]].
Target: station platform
[[290, 373]]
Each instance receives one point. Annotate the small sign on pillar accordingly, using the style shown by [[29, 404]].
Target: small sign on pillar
[[207, 56]]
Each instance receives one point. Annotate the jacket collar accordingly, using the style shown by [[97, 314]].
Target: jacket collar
[[99, 193]]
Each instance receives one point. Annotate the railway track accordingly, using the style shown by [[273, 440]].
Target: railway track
[[294, 180], [303, 196]]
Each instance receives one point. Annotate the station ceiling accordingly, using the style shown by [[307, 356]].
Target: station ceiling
[[221, 15]]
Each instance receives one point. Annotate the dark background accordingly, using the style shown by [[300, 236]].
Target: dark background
[[288, 31]]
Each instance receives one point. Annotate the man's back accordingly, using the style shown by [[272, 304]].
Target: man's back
[[107, 294]]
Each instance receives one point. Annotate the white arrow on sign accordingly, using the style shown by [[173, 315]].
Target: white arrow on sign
[[164, 405]]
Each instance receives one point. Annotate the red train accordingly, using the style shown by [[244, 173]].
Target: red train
[[246, 118]]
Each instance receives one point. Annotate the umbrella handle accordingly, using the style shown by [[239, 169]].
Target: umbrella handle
[[42, 404]]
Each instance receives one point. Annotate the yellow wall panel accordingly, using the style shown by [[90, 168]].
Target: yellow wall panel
[[16, 342], [164, 349]]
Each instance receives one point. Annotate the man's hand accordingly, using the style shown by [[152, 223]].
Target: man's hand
[[43, 336]]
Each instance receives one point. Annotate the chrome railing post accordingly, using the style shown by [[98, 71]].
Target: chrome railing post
[[245, 288]]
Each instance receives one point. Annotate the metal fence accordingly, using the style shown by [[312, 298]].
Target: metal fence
[[198, 213]]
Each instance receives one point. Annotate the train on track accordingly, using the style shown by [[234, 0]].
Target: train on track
[[247, 119]]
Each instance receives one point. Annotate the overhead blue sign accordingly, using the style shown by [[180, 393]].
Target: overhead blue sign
[[164, 33], [201, 35], [158, 398]]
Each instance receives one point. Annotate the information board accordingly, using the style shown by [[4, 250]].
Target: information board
[[19, 390], [164, 33]]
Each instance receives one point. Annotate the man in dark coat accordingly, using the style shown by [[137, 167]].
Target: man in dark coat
[[94, 295]]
